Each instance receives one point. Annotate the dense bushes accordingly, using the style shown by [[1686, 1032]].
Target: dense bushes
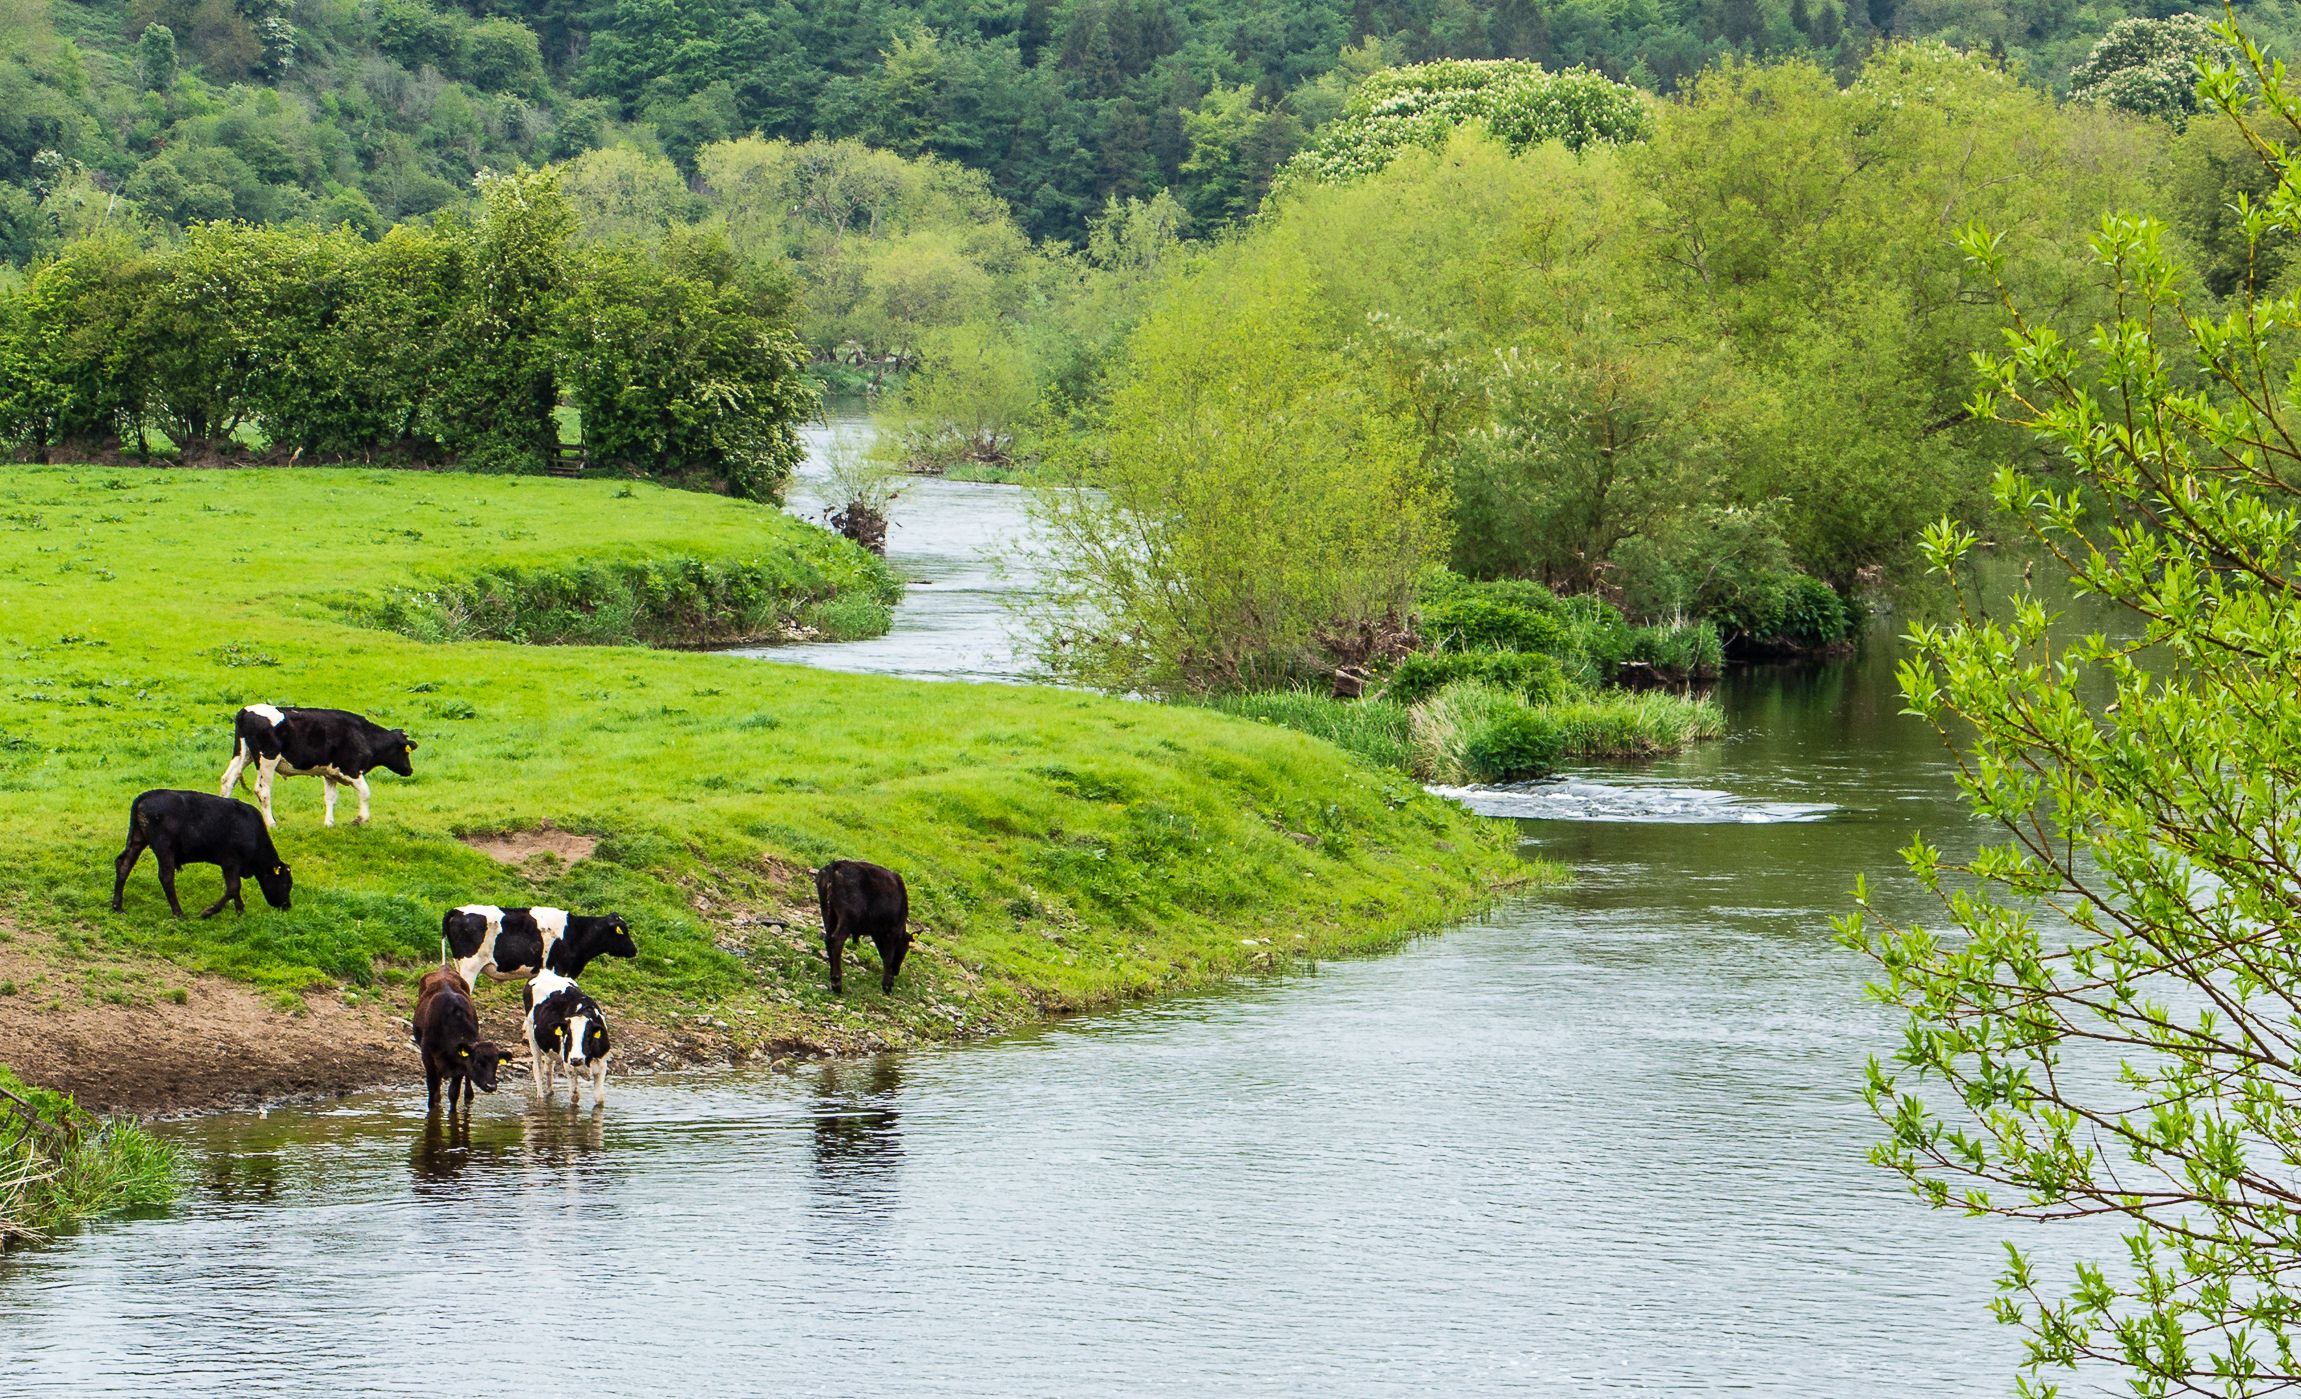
[[1532, 675], [450, 343], [1398, 109]]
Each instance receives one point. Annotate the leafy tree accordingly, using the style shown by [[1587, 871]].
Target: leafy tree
[[1523, 105], [497, 409], [156, 57], [683, 366], [2148, 66], [2106, 1008], [1255, 502]]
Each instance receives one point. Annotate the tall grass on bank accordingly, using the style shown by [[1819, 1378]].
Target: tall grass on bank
[[1378, 730], [1476, 732], [60, 1165]]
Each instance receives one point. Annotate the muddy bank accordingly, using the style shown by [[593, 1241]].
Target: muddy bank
[[149, 1039]]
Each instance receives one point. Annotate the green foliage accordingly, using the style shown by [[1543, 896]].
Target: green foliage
[[1503, 615], [1377, 730], [60, 1165], [1518, 102], [1257, 506], [1644, 724], [1789, 610], [1685, 651], [1063, 850], [2149, 66], [2096, 1020], [1530, 675], [680, 360]]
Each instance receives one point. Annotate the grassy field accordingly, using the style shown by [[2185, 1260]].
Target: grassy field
[[1064, 850]]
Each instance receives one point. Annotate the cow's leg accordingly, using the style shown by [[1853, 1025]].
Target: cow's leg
[[833, 945], [266, 769], [123, 866], [167, 861], [360, 785], [231, 896], [330, 782], [599, 1084], [233, 768], [431, 1090]]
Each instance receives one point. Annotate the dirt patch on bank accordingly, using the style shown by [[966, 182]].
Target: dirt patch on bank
[[518, 847], [148, 1038]]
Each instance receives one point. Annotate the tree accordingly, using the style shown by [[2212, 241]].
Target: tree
[[156, 58], [2148, 66], [2109, 1006], [1253, 499], [497, 410]]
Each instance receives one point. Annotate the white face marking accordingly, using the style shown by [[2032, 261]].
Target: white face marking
[[576, 1029], [269, 713]]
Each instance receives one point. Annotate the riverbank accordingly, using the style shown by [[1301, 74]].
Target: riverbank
[[1065, 852]]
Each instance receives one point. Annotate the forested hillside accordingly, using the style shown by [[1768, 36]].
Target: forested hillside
[[373, 111]]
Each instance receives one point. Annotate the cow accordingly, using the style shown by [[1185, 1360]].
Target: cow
[[446, 1031], [193, 828], [508, 944], [336, 745], [860, 900], [565, 1028]]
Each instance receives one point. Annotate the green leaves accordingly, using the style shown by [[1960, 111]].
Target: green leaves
[[2112, 1003]]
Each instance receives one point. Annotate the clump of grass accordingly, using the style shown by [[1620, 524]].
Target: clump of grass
[[849, 616], [1684, 651], [1636, 725], [60, 1165], [1377, 730]]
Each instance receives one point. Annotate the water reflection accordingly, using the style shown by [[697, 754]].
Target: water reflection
[[857, 1136]]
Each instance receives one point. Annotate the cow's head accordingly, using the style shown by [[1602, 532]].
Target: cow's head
[[614, 938], [481, 1061], [581, 1038], [275, 881], [396, 751]]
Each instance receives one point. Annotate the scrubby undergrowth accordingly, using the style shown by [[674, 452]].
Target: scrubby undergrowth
[[1064, 850]]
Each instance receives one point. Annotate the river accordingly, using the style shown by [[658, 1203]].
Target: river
[[1607, 1140]]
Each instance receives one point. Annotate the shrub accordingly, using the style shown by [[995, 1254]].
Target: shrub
[[1515, 744], [1449, 732], [1789, 610], [1487, 617], [1685, 650], [1528, 674]]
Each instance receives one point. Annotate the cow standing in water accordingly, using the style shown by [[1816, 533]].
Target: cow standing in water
[[334, 745], [861, 900]]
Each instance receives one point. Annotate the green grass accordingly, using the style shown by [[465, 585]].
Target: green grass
[[1064, 850], [1374, 729], [1641, 724], [59, 1165]]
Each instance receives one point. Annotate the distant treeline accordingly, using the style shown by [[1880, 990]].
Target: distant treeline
[[458, 342]]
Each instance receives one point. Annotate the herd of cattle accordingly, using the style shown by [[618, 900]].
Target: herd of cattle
[[546, 948]]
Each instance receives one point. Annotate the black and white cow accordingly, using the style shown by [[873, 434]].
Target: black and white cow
[[334, 745], [193, 828], [508, 944], [565, 1029], [860, 900]]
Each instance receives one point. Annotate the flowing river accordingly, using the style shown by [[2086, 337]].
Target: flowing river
[[1607, 1140]]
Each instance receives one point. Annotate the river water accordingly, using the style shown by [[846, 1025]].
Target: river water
[[1607, 1140]]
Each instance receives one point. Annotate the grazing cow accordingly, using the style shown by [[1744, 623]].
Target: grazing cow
[[565, 1027], [193, 828], [447, 1035], [507, 944], [861, 900], [333, 744]]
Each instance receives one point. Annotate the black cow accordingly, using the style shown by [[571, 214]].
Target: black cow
[[862, 900], [447, 1035], [193, 828], [506, 944], [335, 745]]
